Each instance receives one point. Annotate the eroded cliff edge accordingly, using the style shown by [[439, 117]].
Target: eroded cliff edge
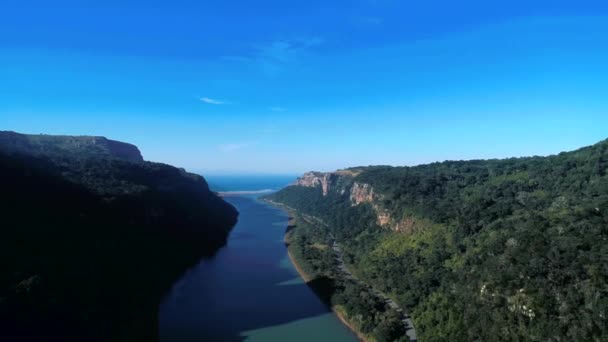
[[345, 184]]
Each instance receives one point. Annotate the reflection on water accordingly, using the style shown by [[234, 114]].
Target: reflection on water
[[249, 290]]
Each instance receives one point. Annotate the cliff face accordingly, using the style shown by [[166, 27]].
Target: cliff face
[[60, 146], [342, 182], [120, 149], [328, 181], [314, 179], [362, 193]]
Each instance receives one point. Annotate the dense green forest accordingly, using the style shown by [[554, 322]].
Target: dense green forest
[[309, 243], [90, 242], [487, 250]]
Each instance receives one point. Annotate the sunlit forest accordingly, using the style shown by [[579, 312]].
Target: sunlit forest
[[488, 250]]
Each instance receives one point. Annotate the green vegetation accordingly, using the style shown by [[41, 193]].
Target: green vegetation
[[89, 243], [58, 147], [496, 250], [310, 245]]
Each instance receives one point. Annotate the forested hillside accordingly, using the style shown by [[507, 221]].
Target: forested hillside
[[483, 250], [58, 146], [89, 242]]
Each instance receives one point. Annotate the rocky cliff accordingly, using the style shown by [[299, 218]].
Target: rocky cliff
[[314, 179], [343, 182], [120, 149]]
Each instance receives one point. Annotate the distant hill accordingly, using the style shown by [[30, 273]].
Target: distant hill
[[91, 237], [480, 250], [59, 146]]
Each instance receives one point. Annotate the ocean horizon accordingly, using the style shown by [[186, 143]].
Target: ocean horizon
[[248, 184]]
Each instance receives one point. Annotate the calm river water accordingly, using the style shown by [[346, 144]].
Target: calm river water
[[249, 291]]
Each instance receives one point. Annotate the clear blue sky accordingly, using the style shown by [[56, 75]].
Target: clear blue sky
[[290, 86]]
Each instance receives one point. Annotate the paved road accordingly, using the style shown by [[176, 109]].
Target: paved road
[[407, 321]]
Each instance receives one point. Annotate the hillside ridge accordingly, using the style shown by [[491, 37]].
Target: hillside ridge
[[499, 249], [92, 236], [61, 145]]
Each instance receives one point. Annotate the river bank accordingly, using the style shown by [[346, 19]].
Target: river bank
[[340, 313], [210, 303], [318, 258]]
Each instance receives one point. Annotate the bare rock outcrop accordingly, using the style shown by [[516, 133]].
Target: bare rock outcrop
[[362, 193], [314, 179], [359, 193]]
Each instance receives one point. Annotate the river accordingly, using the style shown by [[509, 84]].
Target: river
[[249, 290]]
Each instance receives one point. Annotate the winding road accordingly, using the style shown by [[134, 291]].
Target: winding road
[[406, 319]]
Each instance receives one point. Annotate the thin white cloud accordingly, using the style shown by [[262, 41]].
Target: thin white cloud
[[275, 56], [232, 147], [213, 101], [282, 51]]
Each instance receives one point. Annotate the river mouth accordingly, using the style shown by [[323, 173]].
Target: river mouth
[[249, 290]]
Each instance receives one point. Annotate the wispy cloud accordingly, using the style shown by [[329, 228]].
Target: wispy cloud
[[236, 59], [287, 50], [213, 101], [367, 21], [275, 56], [232, 147], [278, 109]]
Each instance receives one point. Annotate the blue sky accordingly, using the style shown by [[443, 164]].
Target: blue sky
[[290, 86]]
